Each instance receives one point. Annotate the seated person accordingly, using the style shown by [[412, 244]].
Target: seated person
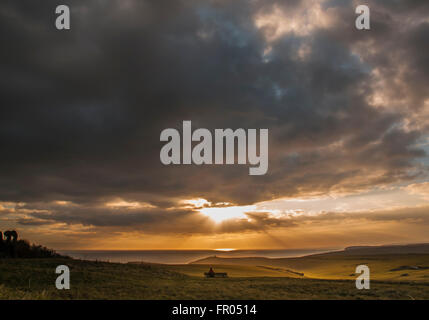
[[211, 273]]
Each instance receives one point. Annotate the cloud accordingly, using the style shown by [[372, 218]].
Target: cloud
[[419, 189], [82, 110], [188, 221]]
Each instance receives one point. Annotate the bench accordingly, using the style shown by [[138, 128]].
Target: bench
[[216, 275]]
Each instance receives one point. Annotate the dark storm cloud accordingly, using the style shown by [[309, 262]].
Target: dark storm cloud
[[82, 110]]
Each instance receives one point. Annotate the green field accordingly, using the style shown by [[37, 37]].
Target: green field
[[35, 279]]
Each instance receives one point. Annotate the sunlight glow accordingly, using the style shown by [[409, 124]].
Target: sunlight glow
[[219, 214]]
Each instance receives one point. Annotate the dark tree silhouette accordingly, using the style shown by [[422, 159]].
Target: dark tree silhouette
[[11, 247], [11, 235]]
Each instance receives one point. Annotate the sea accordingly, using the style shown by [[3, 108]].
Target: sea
[[182, 256]]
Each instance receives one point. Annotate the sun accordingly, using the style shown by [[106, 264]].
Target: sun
[[220, 214]]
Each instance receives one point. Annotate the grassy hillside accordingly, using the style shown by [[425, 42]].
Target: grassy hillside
[[243, 271], [24, 249], [35, 279], [342, 265]]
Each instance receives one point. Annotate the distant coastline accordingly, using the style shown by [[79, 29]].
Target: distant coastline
[[183, 256], [189, 256]]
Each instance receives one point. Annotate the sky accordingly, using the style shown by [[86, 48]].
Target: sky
[[82, 110]]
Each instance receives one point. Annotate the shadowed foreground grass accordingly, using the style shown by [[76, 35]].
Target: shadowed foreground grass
[[35, 279]]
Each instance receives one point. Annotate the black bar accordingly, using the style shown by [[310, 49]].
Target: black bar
[[265, 309]]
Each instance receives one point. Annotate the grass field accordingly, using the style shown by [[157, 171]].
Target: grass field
[[35, 279], [241, 271], [392, 267]]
